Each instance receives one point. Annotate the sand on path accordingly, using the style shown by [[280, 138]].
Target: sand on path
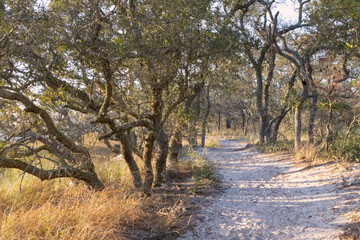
[[270, 197]]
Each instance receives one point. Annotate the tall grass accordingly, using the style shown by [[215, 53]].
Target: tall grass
[[69, 213], [308, 152], [66, 209]]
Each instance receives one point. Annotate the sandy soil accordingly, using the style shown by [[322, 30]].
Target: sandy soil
[[270, 197]]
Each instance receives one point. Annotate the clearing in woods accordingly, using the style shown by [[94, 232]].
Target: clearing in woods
[[270, 197]]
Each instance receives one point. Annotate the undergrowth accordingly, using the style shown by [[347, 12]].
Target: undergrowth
[[203, 172], [279, 146], [213, 144], [66, 209], [345, 149]]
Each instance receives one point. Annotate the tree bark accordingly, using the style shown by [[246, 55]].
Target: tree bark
[[148, 150], [312, 114], [175, 141], [192, 128], [89, 177], [284, 109], [314, 97], [328, 136], [219, 122], [175, 145], [127, 154], [161, 161], [206, 115], [275, 131], [298, 112]]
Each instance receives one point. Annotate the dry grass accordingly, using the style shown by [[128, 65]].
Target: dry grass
[[66, 209], [212, 143], [307, 153], [53, 210], [69, 213]]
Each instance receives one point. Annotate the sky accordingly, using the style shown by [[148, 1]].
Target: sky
[[287, 10]]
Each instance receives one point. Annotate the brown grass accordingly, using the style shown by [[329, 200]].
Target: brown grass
[[69, 213], [307, 153], [66, 209], [53, 210]]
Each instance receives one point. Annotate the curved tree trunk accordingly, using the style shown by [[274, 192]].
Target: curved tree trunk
[[89, 176], [127, 154], [279, 119]]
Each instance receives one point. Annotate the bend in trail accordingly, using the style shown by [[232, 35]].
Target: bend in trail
[[268, 197]]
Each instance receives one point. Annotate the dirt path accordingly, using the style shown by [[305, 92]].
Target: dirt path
[[268, 197]]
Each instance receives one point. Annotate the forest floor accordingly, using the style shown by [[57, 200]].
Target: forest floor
[[276, 197]]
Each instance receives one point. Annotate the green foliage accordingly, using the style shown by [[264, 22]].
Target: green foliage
[[337, 106], [279, 146], [213, 144], [348, 150], [204, 171]]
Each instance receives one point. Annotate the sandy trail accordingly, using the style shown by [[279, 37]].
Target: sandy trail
[[268, 197]]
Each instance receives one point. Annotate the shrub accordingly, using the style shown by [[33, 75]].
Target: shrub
[[213, 144], [279, 146], [348, 150], [203, 171]]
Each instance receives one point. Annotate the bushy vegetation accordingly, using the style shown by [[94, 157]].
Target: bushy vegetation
[[279, 146], [203, 171], [347, 149], [212, 143]]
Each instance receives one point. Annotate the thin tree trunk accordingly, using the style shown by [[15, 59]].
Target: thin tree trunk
[[328, 136], [193, 130], [254, 126], [284, 109], [262, 130], [314, 99], [206, 115], [246, 127], [219, 122], [298, 112], [243, 122], [275, 132]]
